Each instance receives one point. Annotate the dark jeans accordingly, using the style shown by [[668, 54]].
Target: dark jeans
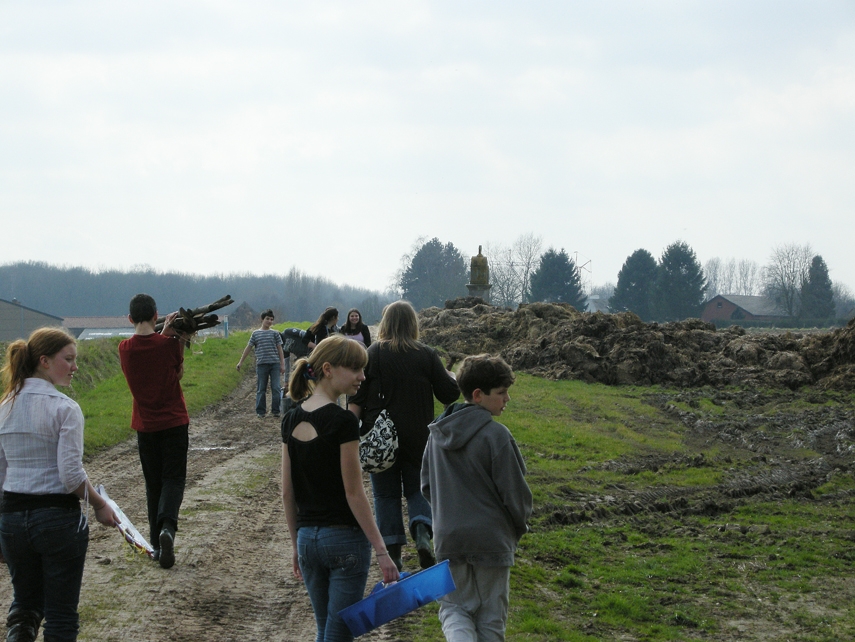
[[401, 480], [163, 456], [267, 372], [45, 550], [334, 562]]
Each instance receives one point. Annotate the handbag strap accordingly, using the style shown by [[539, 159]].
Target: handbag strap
[[380, 377]]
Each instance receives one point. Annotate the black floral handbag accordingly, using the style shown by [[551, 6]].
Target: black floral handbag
[[378, 448]]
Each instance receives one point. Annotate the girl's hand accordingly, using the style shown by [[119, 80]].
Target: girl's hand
[[106, 516], [387, 566], [295, 563]]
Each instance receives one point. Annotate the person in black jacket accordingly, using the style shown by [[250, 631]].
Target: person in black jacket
[[408, 374], [322, 328]]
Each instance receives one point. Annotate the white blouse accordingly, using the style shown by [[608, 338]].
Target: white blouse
[[41, 441]]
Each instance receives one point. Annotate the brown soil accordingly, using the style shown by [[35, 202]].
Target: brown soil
[[557, 342], [232, 579]]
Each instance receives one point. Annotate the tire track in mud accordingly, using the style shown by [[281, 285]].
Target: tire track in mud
[[764, 461], [232, 578]]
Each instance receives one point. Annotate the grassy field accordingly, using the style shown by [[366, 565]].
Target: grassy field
[[659, 514], [103, 394], [650, 524]]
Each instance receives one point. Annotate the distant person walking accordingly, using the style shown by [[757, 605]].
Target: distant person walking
[[153, 365], [355, 329], [43, 533], [269, 364], [409, 374], [328, 515], [322, 328]]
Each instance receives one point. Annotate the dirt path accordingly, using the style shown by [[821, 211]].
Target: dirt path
[[232, 579]]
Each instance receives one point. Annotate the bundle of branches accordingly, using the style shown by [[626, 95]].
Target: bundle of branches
[[190, 321]]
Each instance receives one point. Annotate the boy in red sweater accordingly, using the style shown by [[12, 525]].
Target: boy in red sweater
[[153, 365]]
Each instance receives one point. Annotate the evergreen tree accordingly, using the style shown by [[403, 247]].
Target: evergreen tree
[[817, 295], [680, 284], [557, 279], [636, 280], [436, 272]]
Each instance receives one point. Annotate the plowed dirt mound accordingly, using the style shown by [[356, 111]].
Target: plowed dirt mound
[[555, 341]]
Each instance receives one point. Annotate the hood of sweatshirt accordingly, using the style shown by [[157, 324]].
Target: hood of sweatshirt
[[460, 422]]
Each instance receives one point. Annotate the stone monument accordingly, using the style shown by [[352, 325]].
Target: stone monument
[[479, 277]]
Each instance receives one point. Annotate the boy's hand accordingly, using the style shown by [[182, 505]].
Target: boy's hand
[[168, 330]]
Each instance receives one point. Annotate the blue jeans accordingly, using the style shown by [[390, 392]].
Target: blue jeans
[[387, 502], [334, 562], [267, 372], [45, 550], [163, 456]]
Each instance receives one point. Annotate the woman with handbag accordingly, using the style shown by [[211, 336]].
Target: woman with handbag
[[403, 376], [329, 518]]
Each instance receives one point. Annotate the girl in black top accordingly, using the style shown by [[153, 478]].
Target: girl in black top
[[322, 328], [329, 518]]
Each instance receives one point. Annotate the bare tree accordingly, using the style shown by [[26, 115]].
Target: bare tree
[[844, 302], [748, 278], [511, 268], [503, 276], [728, 276], [712, 272], [406, 260], [526, 252], [604, 290], [786, 271]]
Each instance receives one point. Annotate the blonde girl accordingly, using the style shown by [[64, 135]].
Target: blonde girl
[[329, 518]]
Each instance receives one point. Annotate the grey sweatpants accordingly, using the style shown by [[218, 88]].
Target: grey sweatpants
[[477, 610]]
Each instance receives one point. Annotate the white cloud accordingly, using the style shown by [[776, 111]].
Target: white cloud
[[603, 128]]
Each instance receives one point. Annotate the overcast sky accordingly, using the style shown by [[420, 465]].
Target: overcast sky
[[256, 136]]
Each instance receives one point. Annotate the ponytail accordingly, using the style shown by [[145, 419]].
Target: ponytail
[[22, 357], [299, 385], [16, 368], [336, 350]]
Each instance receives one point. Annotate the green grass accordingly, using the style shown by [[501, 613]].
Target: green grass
[[683, 564], [589, 571], [103, 395]]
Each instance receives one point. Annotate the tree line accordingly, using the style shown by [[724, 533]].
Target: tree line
[[672, 288], [434, 272], [76, 291]]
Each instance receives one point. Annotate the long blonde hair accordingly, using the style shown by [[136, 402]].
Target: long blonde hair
[[22, 357], [337, 350], [399, 326]]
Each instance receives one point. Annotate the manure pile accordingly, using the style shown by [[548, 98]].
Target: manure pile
[[555, 341]]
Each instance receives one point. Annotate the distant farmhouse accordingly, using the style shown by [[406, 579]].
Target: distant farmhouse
[[597, 304], [84, 328], [18, 321], [735, 307], [243, 317]]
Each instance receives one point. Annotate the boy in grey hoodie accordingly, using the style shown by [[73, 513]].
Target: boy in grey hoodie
[[473, 475]]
